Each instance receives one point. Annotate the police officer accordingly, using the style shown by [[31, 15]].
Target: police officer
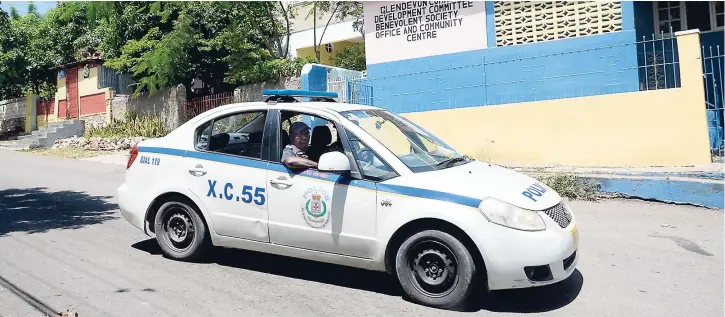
[[293, 155]]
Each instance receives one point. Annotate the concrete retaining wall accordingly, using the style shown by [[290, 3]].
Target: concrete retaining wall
[[12, 108], [253, 92], [94, 120], [169, 104], [12, 115]]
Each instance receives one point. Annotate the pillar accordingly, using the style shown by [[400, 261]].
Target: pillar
[[30, 113]]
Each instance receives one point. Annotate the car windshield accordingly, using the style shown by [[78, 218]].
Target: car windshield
[[417, 148]]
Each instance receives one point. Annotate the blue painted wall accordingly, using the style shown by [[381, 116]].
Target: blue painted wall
[[628, 15], [490, 25], [702, 193], [583, 66]]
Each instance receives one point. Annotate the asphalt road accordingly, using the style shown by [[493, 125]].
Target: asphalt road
[[63, 245]]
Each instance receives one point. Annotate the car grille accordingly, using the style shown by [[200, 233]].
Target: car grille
[[559, 214]]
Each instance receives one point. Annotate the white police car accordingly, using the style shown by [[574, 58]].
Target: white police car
[[387, 196]]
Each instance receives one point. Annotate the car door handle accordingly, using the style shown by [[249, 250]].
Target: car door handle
[[198, 171], [277, 183]]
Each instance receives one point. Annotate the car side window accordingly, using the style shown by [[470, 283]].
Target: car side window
[[323, 137], [237, 134], [201, 139], [372, 167]]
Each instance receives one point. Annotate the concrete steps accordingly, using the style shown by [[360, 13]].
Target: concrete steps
[[46, 136]]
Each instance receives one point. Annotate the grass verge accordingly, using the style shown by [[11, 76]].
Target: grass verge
[[132, 125], [67, 152], [570, 186]]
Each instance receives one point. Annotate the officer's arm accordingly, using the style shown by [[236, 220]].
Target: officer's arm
[[295, 162]]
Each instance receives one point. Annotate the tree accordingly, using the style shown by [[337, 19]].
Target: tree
[[224, 44], [4, 21], [341, 10], [14, 13], [31, 46], [345, 10], [286, 15], [351, 57], [161, 44], [32, 9]]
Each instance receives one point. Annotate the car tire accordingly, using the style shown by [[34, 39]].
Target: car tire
[[180, 231], [435, 269]]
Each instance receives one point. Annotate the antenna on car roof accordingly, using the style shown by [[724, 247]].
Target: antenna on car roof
[[288, 95]]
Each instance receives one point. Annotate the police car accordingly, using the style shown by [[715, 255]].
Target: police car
[[386, 195]]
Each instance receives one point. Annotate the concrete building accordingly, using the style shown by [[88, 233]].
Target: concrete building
[[84, 91], [551, 83]]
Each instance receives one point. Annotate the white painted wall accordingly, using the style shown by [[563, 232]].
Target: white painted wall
[[335, 32]]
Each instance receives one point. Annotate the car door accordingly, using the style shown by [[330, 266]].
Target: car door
[[318, 211], [228, 173]]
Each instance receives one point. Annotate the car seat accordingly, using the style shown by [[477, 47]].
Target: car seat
[[321, 137], [285, 138]]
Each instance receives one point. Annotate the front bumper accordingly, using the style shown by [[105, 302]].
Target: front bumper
[[520, 259]]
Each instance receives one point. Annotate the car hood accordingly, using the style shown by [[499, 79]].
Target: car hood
[[480, 180]]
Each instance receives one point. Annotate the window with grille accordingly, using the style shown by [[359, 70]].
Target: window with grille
[[705, 16], [519, 22]]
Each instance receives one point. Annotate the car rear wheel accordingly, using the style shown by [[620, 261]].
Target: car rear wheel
[[180, 231], [435, 269]]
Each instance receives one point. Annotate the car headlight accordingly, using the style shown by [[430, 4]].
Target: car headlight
[[508, 215]]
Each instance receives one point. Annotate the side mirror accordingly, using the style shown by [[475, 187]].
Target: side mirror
[[334, 162]]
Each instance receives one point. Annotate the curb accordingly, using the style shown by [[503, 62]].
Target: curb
[[702, 192]]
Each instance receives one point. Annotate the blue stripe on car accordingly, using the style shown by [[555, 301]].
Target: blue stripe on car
[[278, 167], [430, 194]]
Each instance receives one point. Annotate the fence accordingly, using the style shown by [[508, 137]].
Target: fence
[[198, 105], [658, 62], [712, 69], [351, 90], [523, 74], [121, 83]]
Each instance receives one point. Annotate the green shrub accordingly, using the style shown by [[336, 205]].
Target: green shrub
[[131, 126], [351, 57]]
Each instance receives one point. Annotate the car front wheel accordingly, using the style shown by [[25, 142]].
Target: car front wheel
[[435, 269], [180, 231]]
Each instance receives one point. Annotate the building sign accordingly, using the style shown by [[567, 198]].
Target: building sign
[[403, 30]]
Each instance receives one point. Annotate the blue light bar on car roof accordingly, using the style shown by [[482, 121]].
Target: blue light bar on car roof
[[299, 93]]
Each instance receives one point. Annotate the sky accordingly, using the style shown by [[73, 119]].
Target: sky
[[22, 6]]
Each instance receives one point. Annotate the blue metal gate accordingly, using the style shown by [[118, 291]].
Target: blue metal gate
[[712, 69]]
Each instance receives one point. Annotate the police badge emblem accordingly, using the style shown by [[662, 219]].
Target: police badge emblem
[[315, 207]]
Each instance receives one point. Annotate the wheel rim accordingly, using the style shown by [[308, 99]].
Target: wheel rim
[[433, 268], [178, 228]]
